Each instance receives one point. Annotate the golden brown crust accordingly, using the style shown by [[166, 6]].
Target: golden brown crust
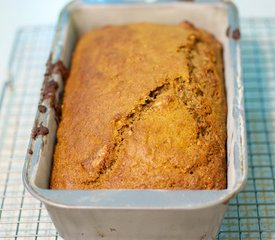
[[144, 108]]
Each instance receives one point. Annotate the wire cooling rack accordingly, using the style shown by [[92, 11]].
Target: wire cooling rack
[[251, 215]]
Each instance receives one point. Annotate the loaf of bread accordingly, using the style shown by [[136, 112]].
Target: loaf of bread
[[144, 108]]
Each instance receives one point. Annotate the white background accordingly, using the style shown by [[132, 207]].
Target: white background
[[17, 13]]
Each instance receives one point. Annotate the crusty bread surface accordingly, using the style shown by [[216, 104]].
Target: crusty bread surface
[[144, 107]]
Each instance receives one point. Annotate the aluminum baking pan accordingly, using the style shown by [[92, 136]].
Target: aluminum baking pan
[[141, 214]]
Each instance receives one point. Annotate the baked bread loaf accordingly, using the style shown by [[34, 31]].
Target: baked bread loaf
[[144, 108]]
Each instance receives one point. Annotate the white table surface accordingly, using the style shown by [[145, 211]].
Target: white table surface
[[17, 13]]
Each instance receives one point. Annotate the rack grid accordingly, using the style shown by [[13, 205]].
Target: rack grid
[[250, 215]]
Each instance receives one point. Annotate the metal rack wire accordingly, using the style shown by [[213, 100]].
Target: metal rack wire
[[251, 215]]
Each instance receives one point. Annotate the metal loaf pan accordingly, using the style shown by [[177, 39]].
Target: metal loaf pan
[[141, 214]]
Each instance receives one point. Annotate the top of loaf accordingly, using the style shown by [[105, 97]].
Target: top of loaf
[[143, 108]]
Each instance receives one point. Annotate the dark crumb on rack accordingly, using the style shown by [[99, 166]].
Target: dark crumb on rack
[[60, 68], [42, 108], [41, 130], [228, 31], [57, 67], [30, 151], [236, 34], [50, 86], [49, 91]]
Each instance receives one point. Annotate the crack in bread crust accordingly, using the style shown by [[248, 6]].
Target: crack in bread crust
[[123, 125], [107, 155]]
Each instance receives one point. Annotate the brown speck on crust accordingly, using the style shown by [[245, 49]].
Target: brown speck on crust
[[236, 35], [30, 151], [187, 24], [41, 130], [42, 108]]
